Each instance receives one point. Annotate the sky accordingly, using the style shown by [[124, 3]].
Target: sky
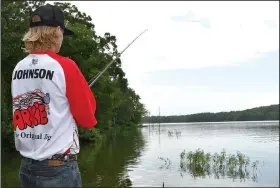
[[196, 56]]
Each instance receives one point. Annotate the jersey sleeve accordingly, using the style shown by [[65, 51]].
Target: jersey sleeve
[[81, 99]]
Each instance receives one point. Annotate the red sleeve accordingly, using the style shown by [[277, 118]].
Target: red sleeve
[[80, 97]]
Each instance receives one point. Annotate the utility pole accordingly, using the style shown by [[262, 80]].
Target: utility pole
[[149, 119], [159, 126], [159, 119]]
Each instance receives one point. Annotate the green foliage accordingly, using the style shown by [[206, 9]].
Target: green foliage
[[117, 104], [255, 114], [200, 165]]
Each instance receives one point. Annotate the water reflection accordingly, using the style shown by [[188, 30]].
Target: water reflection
[[108, 163], [131, 157], [103, 164], [161, 160], [258, 131]]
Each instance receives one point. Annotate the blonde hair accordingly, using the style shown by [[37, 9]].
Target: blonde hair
[[41, 37]]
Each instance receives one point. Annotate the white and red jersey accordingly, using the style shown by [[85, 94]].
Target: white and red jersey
[[50, 98]]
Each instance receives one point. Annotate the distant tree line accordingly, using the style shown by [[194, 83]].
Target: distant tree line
[[255, 114]]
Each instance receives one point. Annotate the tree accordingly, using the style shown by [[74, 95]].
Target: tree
[[255, 114], [117, 104]]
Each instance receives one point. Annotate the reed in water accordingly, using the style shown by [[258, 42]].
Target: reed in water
[[220, 165], [235, 166]]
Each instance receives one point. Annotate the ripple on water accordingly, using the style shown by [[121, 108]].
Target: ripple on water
[[258, 140]]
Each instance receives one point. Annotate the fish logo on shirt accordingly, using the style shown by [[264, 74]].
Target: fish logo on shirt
[[31, 109], [33, 62]]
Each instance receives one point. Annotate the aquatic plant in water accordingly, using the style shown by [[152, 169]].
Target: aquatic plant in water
[[218, 165], [201, 164], [167, 163], [174, 132]]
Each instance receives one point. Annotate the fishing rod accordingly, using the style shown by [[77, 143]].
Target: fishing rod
[[111, 62]]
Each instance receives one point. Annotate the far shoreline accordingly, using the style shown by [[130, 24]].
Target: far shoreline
[[209, 122]]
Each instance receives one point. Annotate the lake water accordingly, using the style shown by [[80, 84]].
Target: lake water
[[131, 157]]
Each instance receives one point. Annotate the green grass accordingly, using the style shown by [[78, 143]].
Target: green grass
[[218, 165], [221, 165]]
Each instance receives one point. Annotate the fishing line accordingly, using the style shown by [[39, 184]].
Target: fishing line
[[95, 78]]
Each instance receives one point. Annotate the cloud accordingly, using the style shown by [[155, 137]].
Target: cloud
[[192, 18], [271, 24], [181, 45], [260, 72], [180, 100], [238, 32]]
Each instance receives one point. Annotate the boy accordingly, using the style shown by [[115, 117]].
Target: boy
[[50, 98]]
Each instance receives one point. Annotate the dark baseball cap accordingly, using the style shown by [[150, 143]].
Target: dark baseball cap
[[49, 16]]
